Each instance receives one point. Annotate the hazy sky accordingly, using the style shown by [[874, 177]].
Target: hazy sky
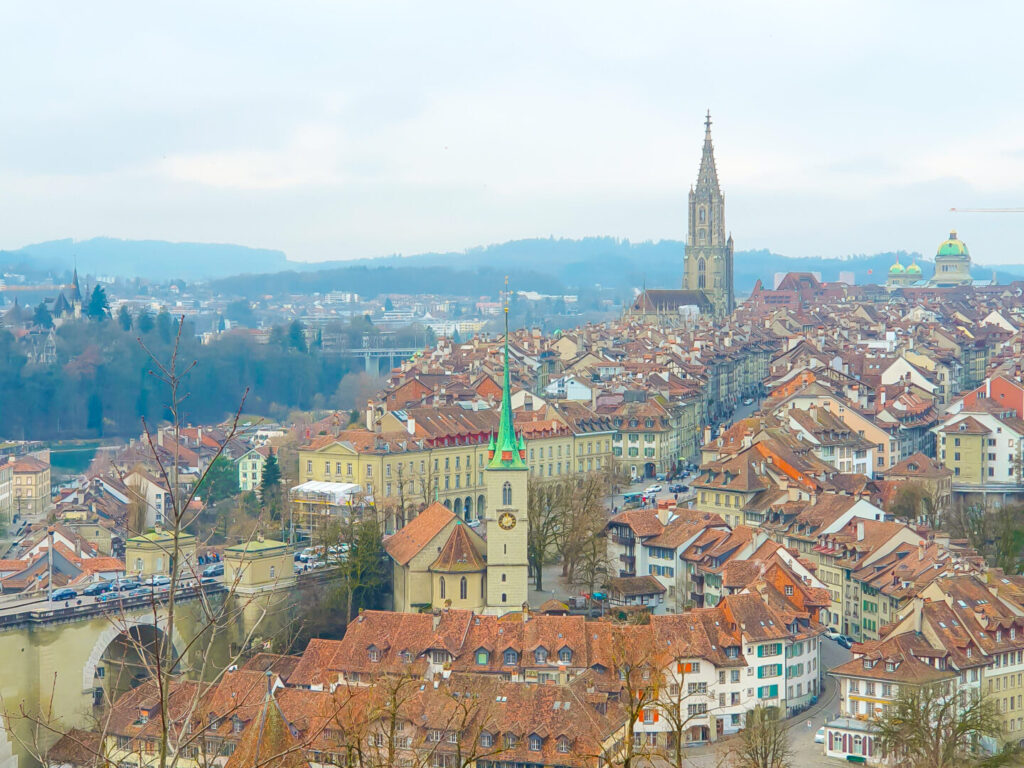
[[338, 130]]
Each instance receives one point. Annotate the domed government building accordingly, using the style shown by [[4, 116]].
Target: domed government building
[[952, 268]]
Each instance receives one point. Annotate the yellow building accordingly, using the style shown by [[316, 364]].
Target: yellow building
[[31, 486], [153, 552], [256, 565], [961, 449]]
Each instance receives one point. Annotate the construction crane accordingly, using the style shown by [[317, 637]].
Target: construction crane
[[986, 210]]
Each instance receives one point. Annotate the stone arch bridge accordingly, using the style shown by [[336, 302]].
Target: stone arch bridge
[[56, 658]]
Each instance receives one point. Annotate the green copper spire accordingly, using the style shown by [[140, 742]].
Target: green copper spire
[[509, 451]]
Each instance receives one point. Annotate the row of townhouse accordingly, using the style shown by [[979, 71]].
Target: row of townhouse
[[457, 688], [424, 454], [963, 632]]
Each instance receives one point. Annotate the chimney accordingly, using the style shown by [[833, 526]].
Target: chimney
[[882, 396], [526, 612], [860, 530], [918, 614], [707, 434], [410, 425], [988, 387]]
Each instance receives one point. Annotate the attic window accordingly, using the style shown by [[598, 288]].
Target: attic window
[[890, 666], [374, 654], [868, 663]]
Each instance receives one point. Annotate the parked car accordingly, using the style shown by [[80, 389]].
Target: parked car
[[217, 569], [98, 588], [748, 401], [64, 593], [845, 641], [208, 580], [678, 488], [111, 595], [831, 634], [660, 477], [653, 489], [128, 586], [819, 735], [158, 580]]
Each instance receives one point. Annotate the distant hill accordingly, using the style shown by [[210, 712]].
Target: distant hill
[[153, 259], [547, 265]]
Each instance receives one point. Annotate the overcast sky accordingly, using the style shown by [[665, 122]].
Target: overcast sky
[[340, 130]]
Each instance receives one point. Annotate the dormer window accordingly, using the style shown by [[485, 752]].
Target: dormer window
[[535, 742], [236, 724], [511, 658], [563, 744], [374, 654], [510, 741], [565, 656], [868, 663], [482, 657], [406, 656], [541, 655], [890, 666]]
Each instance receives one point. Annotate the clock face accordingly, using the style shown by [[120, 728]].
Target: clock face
[[507, 521]]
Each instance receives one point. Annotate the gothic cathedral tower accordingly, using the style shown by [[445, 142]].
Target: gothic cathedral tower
[[505, 480], [708, 264]]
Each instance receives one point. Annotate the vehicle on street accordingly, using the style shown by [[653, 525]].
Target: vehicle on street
[[208, 580], [112, 595], [128, 586], [678, 488], [652, 489], [632, 500], [831, 634], [748, 401], [660, 478], [474, 523], [819, 735], [159, 580], [217, 569], [845, 641], [64, 593], [98, 588]]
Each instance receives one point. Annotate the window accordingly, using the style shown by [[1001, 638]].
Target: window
[[374, 653], [789, 590], [563, 744], [565, 656], [486, 739], [511, 658], [535, 742], [510, 741], [442, 588], [541, 655], [506, 494], [309, 465]]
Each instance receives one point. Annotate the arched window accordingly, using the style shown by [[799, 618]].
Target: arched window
[[703, 213], [506, 494], [442, 587], [701, 269], [463, 586], [511, 657]]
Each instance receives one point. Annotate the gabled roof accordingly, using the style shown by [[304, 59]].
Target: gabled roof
[[458, 555], [407, 542]]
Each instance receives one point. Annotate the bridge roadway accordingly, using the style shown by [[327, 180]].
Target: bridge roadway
[[53, 656]]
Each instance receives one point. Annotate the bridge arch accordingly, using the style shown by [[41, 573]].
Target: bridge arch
[[125, 628]]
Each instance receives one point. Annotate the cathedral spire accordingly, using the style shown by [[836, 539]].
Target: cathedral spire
[[707, 177], [508, 451]]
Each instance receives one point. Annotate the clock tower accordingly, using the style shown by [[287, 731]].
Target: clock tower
[[505, 480]]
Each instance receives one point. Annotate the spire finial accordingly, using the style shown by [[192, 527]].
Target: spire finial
[[707, 126], [507, 453]]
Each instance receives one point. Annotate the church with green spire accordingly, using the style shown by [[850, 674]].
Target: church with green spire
[[506, 479]]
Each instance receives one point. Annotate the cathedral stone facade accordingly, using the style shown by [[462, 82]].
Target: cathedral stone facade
[[709, 252]]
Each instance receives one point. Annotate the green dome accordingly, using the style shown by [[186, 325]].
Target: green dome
[[913, 269], [897, 269], [953, 246]]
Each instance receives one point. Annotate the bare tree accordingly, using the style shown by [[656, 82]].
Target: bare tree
[[931, 727], [763, 742]]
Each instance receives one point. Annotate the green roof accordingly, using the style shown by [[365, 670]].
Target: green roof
[[507, 447], [160, 536], [255, 545], [913, 269], [953, 246]]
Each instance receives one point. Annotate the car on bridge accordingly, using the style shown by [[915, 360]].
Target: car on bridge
[[158, 580], [98, 588], [128, 586], [65, 593], [217, 569]]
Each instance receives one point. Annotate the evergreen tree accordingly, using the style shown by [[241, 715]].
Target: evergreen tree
[[99, 307], [42, 316], [163, 326], [270, 486], [296, 338], [388, 306], [144, 322], [124, 317]]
